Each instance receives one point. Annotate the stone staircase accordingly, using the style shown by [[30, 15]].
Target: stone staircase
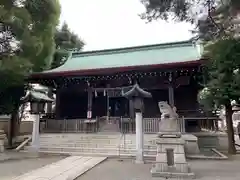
[[110, 125], [93, 144]]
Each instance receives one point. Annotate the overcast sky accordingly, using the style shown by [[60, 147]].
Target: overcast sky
[[105, 24]]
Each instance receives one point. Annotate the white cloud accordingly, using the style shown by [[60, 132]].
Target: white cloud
[[105, 24]]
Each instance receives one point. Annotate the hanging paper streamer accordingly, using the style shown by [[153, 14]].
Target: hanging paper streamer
[[89, 114], [95, 93], [104, 92]]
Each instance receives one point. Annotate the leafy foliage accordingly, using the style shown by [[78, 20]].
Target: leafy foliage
[[223, 75], [26, 44], [65, 41], [27, 29], [162, 9], [223, 79], [184, 10], [211, 17]]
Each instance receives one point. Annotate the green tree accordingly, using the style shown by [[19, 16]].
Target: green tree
[[65, 41], [217, 23], [26, 45], [184, 10], [223, 79]]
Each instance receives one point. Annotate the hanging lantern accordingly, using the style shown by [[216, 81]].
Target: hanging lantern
[[95, 93], [104, 92]]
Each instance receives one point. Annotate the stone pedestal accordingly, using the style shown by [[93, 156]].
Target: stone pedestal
[[35, 134], [170, 160], [2, 139], [139, 138]]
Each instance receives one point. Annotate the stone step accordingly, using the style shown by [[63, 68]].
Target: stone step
[[84, 140], [95, 152], [80, 136], [132, 146], [92, 142], [81, 142], [81, 145], [114, 150], [87, 139]]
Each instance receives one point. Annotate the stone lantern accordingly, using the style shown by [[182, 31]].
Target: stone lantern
[[136, 95], [37, 102]]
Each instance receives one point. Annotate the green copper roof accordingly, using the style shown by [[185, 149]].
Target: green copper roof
[[37, 96], [131, 57]]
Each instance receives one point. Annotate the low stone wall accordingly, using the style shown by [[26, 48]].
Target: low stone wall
[[216, 140], [25, 126], [4, 125], [191, 144]]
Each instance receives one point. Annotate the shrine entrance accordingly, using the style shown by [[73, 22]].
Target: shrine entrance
[[118, 107]]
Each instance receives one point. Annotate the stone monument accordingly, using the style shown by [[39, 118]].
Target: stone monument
[[170, 160], [168, 126]]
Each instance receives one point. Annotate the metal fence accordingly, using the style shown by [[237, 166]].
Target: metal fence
[[118, 124], [70, 125], [124, 125], [150, 125]]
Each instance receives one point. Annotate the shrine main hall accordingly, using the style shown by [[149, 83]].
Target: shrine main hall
[[89, 85]]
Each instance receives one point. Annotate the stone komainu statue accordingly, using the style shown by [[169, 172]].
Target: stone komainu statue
[[169, 118]]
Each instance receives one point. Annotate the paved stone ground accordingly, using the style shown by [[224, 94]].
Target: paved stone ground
[[12, 168], [13, 155], [66, 169], [127, 170]]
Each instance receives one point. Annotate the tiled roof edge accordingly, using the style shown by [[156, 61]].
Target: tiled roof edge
[[134, 48]]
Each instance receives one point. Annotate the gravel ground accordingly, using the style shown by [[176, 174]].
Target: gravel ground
[[127, 170], [12, 168]]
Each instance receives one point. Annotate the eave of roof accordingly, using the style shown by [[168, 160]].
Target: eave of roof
[[127, 59], [102, 71]]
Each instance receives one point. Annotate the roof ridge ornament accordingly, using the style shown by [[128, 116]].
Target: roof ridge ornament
[[136, 91]]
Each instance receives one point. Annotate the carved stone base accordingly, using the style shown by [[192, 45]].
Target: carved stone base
[[156, 173], [170, 159], [2, 149]]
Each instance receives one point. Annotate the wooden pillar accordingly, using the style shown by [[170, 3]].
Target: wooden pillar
[[170, 90], [89, 111]]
